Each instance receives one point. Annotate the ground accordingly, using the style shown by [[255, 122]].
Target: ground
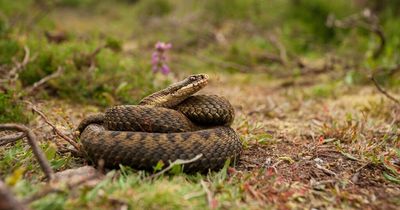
[[298, 152]]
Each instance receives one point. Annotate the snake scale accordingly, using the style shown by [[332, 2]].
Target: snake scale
[[167, 125]]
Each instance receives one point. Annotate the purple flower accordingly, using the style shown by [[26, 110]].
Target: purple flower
[[155, 58], [165, 69], [159, 58], [161, 46]]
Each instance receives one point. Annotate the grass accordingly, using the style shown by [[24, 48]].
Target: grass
[[312, 140], [345, 134]]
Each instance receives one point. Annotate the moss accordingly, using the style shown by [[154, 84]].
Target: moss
[[11, 110], [8, 50]]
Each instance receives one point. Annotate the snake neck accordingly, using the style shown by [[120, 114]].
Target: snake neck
[[177, 92], [162, 99]]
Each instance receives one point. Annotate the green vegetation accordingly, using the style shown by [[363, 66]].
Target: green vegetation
[[97, 68], [11, 110], [298, 72]]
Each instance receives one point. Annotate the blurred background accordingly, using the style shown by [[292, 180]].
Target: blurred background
[[105, 48]]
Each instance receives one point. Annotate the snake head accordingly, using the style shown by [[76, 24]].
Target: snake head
[[189, 85], [177, 92]]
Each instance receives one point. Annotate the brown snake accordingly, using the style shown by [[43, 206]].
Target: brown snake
[[168, 125]]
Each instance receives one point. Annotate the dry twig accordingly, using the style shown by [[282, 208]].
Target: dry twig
[[384, 92], [43, 162], [176, 162], [70, 185], [90, 58], [20, 65], [367, 20], [44, 80], [283, 58], [55, 129], [41, 194], [51, 189], [58, 189], [327, 171], [355, 176], [11, 138], [13, 73]]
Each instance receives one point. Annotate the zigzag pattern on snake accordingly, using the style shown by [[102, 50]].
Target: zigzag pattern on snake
[[168, 125]]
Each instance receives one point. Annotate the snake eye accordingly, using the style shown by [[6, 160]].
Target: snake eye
[[192, 78]]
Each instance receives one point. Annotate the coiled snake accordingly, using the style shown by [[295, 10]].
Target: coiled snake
[[168, 125]]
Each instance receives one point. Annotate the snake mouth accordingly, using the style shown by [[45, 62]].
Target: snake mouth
[[199, 80], [191, 85]]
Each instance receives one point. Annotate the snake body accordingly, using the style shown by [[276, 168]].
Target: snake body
[[168, 125]]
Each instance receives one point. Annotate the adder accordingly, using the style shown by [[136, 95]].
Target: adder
[[165, 126]]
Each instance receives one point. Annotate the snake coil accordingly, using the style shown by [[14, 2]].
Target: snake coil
[[168, 125]]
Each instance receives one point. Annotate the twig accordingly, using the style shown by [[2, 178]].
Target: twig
[[51, 190], [89, 59], [176, 162], [281, 48], [7, 200], [20, 65], [43, 162], [355, 176], [367, 20], [326, 170], [379, 32], [41, 194], [92, 56], [69, 185], [380, 89], [11, 138], [42, 81], [209, 195], [276, 164], [96, 51], [57, 131], [13, 73]]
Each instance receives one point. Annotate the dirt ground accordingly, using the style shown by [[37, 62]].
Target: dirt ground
[[310, 145], [319, 152]]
